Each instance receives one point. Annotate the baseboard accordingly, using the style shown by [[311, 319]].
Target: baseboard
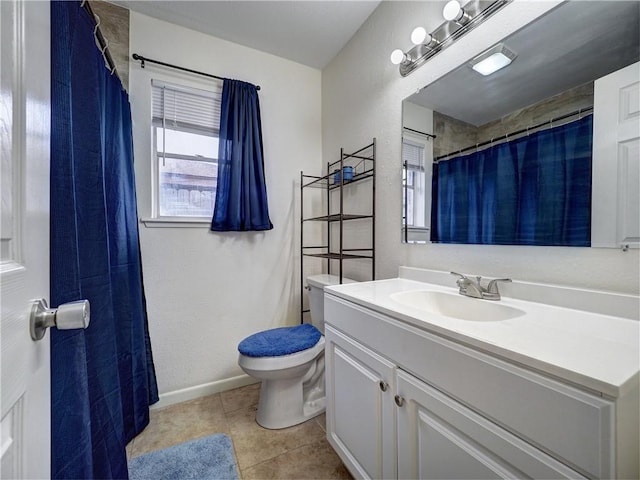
[[197, 391]]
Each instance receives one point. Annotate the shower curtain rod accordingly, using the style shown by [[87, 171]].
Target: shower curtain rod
[[142, 61], [104, 44], [517, 132]]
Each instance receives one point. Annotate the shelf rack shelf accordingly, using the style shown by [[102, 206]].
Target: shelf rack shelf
[[362, 163]]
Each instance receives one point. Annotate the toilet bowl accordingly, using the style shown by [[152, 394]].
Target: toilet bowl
[[290, 363]]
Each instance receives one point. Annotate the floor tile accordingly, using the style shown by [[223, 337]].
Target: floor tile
[[254, 444], [240, 398], [301, 451], [129, 448], [322, 421], [315, 461], [179, 423]]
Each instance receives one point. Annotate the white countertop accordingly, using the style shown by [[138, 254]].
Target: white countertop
[[596, 351]]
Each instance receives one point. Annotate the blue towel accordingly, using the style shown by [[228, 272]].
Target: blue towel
[[280, 341]]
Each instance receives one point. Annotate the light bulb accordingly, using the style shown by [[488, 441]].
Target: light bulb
[[452, 11], [397, 56], [418, 35]]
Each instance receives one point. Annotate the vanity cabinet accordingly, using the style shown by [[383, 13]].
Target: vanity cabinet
[[403, 402]]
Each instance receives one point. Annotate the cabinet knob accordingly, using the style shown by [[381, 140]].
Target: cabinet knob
[[399, 400], [384, 386]]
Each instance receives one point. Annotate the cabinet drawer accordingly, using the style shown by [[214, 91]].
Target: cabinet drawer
[[573, 426]]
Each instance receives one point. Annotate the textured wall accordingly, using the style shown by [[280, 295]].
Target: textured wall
[[361, 98], [114, 25], [206, 291]]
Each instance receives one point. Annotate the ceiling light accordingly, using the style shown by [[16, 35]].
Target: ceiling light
[[398, 57], [453, 11], [492, 60]]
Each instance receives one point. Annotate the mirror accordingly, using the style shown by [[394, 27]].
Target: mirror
[[546, 92]]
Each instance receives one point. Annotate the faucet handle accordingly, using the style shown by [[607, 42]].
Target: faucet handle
[[462, 280], [493, 284]]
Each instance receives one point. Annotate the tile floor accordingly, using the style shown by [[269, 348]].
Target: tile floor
[[297, 452]]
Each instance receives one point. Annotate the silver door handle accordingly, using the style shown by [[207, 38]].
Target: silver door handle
[[66, 317]]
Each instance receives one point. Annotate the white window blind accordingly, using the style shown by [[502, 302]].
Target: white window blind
[[187, 109], [413, 155], [185, 125]]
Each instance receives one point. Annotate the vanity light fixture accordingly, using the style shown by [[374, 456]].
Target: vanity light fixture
[[459, 20], [497, 57]]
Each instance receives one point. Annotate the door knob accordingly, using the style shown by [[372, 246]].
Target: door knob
[[399, 400], [383, 385], [66, 317]]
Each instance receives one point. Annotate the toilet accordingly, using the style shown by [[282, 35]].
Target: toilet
[[290, 363]]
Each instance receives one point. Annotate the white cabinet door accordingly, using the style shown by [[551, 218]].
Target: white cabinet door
[[24, 242], [616, 160], [439, 438], [360, 412]]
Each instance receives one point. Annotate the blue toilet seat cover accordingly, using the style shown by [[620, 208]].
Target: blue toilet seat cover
[[280, 341]]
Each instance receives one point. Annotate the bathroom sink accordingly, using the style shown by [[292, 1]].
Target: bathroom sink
[[456, 306]]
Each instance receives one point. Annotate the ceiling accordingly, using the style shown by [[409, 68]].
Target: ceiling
[[571, 45], [308, 32]]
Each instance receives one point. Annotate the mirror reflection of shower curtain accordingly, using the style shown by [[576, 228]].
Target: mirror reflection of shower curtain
[[534, 190]]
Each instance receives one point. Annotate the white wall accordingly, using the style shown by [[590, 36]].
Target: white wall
[[206, 291], [362, 94], [417, 117]]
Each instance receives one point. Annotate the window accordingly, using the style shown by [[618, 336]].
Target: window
[[186, 124], [415, 208]]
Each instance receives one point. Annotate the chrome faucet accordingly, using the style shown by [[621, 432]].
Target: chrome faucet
[[474, 288], [469, 287]]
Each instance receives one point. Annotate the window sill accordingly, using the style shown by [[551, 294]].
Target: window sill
[[176, 222]]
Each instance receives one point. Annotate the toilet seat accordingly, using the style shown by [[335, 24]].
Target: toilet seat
[[280, 341], [281, 362]]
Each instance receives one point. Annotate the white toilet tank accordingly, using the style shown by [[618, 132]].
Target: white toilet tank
[[316, 296]]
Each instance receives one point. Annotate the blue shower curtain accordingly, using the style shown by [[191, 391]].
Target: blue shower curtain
[[535, 190], [102, 378], [241, 194]]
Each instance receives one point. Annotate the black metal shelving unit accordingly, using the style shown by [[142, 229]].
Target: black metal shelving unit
[[363, 163]]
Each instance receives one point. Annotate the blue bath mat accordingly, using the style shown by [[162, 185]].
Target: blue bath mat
[[205, 458]]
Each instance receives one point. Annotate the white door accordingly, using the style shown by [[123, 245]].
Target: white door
[[616, 160], [24, 236]]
